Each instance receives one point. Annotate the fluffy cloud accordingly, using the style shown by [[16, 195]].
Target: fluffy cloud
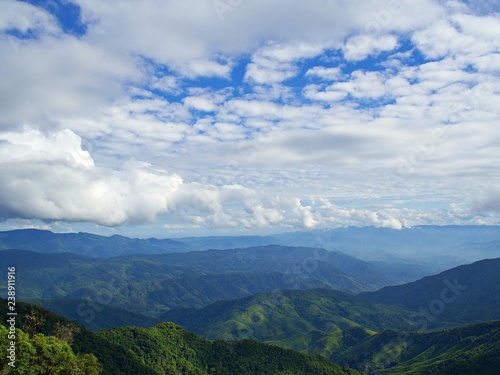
[[49, 177], [52, 77], [251, 114], [329, 74], [360, 47], [278, 63]]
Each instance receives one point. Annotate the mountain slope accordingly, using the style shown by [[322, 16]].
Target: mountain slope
[[95, 316], [471, 349], [315, 321], [168, 349], [152, 284], [463, 294], [113, 358]]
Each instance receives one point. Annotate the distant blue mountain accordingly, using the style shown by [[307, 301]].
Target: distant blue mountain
[[86, 244], [434, 248]]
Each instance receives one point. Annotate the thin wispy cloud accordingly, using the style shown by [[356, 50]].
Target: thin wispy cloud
[[198, 117]]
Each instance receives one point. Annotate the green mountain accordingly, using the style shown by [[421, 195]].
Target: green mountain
[[152, 284], [314, 321], [472, 349], [113, 359], [169, 349], [341, 326], [464, 294], [163, 349]]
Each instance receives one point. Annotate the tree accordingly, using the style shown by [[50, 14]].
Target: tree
[[31, 322], [46, 355], [65, 332]]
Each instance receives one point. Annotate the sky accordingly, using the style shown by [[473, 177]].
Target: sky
[[207, 117]]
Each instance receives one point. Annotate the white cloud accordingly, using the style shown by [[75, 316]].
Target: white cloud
[[17, 15], [489, 202], [461, 36], [199, 103], [167, 84], [276, 63], [330, 74], [363, 85], [359, 47], [259, 117], [205, 68], [48, 78], [359, 84], [49, 177]]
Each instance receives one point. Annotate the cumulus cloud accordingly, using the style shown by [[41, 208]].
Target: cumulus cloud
[[53, 77], [360, 47], [49, 177], [277, 63], [329, 74], [24, 17]]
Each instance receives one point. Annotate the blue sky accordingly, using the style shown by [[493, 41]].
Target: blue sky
[[171, 118]]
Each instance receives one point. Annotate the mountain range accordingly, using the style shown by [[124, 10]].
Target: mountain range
[[434, 248], [153, 284], [353, 332], [269, 308]]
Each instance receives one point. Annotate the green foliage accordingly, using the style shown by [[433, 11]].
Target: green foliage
[[471, 349], [113, 358], [485, 364], [169, 349], [45, 355], [316, 321], [163, 349]]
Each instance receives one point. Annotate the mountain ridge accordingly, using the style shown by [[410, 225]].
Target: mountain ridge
[[193, 279], [433, 247], [165, 349], [463, 294]]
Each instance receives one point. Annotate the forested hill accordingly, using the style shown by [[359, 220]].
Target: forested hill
[[60, 346], [151, 284], [468, 350], [464, 294], [314, 321]]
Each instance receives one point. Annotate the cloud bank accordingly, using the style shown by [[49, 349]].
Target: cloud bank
[[259, 115]]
